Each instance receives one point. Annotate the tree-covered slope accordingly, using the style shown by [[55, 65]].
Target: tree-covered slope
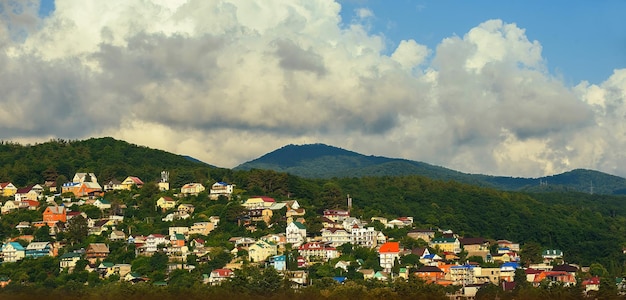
[[106, 157], [323, 161]]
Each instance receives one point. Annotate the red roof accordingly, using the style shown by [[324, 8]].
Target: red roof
[[315, 246], [390, 247], [593, 280], [32, 203], [222, 272], [265, 198], [136, 180]]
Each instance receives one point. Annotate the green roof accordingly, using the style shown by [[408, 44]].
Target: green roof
[[70, 255], [299, 225]]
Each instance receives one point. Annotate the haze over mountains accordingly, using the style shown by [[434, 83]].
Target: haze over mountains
[[324, 161]]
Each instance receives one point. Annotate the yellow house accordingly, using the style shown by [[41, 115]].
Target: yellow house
[[261, 250], [192, 189], [166, 203], [8, 189], [131, 181], [258, 202], [446, 244]]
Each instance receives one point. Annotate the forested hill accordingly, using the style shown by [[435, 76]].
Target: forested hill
[[323, 161], [108, 158]]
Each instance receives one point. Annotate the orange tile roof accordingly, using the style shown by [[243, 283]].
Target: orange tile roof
[[389, 247]]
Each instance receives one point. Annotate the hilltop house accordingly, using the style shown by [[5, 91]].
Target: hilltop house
[[295, 234], [12, 252], [261, 250], [96, 251], [166, 203], [221, 189], [131, 181], [54, 214], [7, 189], [388, 253], [192, 189]]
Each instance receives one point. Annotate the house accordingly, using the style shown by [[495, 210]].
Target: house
[[13, 252], [30, 192], [279, 262], [430, 274], [184, 230], [221, 189], [507, 271], [54, 214], [366, 236], [400, 222], [112, 184], [295, 234], [475, 246], [82, 189], [564, 278], [153, 241], [10, 206], [388, 253], [186, 208], [258, 202], [68, 261], [177, 240], [462, 274], [202, 228], [508, 244], [117, 235], [551, 255], [450, 244], [382, 220], [261, 250], [102, 204], [29, 204], [219, 275], [39, 249], [85, 177], [336, 215], [96, 251], [316, 251], [166, 203], [591, 284], [130, 182], [192, 189], [336, 237], [7, 189], [367, 273]]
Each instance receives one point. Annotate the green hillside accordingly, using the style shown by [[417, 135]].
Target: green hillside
[[106, 157], [323, 161]]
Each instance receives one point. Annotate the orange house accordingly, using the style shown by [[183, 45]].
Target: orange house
[[54, 214], [430, 274]]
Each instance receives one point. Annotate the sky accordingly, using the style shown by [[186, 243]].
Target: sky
[[518, 88]]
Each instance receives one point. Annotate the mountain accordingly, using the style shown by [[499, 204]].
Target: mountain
[[324, 161]]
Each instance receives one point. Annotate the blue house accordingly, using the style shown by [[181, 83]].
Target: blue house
[[279, 262], [39, 249]]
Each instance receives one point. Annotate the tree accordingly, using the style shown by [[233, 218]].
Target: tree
[[77, 229], [531, 253], [42, 234]]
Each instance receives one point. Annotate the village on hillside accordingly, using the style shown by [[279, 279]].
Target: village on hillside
[[437, 256]]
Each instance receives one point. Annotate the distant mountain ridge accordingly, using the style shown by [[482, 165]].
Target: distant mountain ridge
[[324, 161]]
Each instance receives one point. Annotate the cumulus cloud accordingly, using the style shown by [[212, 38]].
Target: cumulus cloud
[[227, 81]]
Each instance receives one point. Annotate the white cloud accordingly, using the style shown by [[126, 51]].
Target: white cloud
[[227, 81]]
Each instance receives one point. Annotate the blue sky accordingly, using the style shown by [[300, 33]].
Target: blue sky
[[582, 40], [514, 88]]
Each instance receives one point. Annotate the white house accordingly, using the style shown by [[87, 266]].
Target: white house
[[295, 233], [221, 189]]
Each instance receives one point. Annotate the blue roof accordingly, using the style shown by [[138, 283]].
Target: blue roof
[[462, 267], [15, 245], [429, 256], [340, 279], [222, 183], [279, 258], [513, 265]]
